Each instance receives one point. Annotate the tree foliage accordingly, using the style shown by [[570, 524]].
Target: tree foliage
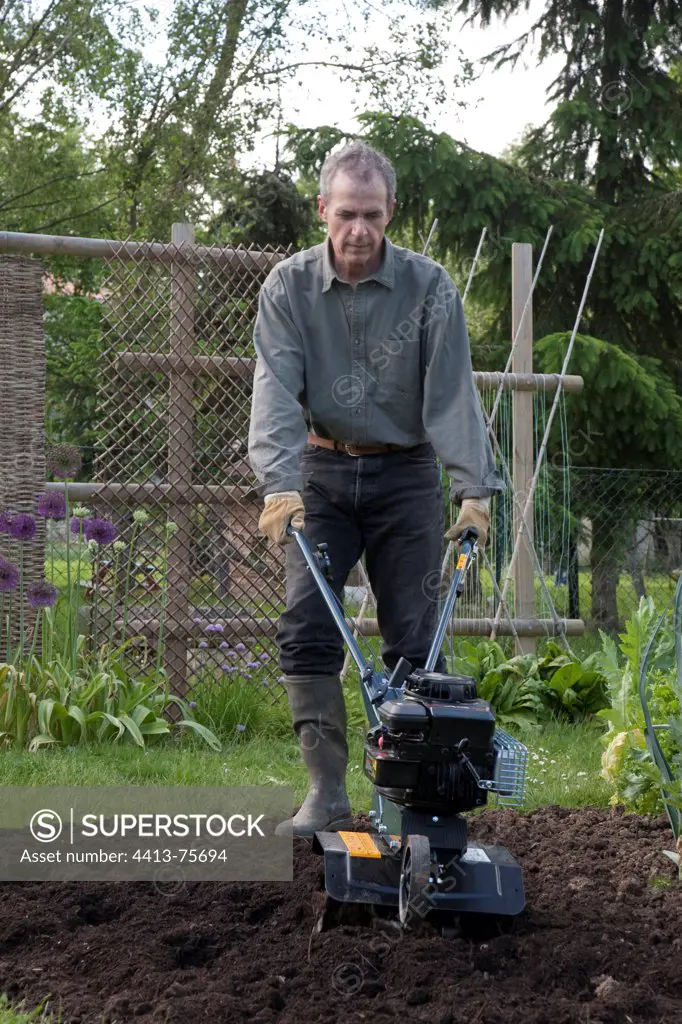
[[608, 157], [628, 414], [628, 406], [263, 208], [176, 124]]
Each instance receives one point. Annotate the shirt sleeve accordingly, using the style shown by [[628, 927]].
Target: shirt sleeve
[[452, 415], [277, 429]]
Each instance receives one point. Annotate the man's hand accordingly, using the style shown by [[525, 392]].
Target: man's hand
[[474, 512], [281, 508]]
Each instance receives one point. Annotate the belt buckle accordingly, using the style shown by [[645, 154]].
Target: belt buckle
[[347, 448]]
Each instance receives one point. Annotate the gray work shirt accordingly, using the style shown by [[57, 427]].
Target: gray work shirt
[[385, 361]]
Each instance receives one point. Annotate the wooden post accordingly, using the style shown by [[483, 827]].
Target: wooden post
[[522, 418], [180, 454], [22, 410]]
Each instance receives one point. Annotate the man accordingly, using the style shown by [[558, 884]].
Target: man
[[363, 379]]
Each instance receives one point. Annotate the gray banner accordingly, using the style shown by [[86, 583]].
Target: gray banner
[[162, 834]]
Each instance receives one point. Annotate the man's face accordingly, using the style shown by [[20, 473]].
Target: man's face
[[357, 213]]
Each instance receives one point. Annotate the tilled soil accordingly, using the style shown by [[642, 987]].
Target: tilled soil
[[600, 941]]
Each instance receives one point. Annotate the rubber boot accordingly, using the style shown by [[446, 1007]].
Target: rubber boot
[[318, 713]]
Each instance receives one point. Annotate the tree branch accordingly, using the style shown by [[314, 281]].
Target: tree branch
[[76, 216], [45, 184]]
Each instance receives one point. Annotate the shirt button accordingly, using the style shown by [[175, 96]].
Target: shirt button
[[357, 412], [357, 341]]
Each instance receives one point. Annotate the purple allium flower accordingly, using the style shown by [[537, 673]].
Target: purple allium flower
[[41, 594], [240, 728], [9, 575], [5, 522], [280, 679], [203, 645], [100, 530], [51, 505], [76, 525], [232, 654], [23, 527], [228, 669], [224, 646], [239, 647], [253, 664], [265, 656], [216, 628], [63, 461], [192, 704], [197, 620]]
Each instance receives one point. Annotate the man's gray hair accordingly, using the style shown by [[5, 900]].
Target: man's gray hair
[[360, 161]]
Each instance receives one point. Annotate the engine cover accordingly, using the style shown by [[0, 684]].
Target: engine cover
[[430, 749]]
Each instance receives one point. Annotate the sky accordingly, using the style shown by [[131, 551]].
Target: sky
[[500, 104]]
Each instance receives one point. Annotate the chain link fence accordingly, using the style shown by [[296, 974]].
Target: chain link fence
[[622, 540]]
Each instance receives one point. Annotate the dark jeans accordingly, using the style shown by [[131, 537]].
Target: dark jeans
[[390, 507]]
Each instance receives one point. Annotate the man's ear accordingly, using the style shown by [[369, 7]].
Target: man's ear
[[322, 208], [391, 211]]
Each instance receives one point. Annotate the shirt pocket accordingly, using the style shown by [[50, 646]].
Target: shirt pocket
[[393, 363]]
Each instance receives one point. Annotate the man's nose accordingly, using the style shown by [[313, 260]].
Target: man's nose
[[359, 227]]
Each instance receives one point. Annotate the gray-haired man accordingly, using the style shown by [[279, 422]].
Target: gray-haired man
[[363, 379]]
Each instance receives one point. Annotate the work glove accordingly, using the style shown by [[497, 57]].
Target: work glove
[[474, 512], [281, 508]]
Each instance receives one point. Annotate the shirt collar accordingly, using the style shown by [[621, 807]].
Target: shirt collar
[[384, 275]]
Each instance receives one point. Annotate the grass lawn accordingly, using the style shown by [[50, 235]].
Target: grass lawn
[[564, 766], [8, 1015]]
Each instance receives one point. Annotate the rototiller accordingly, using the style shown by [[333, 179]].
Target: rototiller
[[433, 752]]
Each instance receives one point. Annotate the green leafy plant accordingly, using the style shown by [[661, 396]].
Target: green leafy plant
[[627, 763], [67, 690], [529, 687], [102, 703], [515, 699]]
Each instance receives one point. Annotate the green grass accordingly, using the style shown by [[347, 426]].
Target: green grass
[[14, 1015], [563, 767]]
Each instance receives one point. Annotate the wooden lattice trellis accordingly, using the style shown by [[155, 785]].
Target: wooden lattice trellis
[[174, 412]]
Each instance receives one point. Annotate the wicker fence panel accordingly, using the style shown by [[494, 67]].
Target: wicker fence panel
[[22, 405], [174, 406]]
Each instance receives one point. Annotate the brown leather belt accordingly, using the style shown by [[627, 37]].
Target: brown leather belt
[[356, 449]]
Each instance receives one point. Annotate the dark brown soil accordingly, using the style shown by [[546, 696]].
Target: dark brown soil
[[600, 941]]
